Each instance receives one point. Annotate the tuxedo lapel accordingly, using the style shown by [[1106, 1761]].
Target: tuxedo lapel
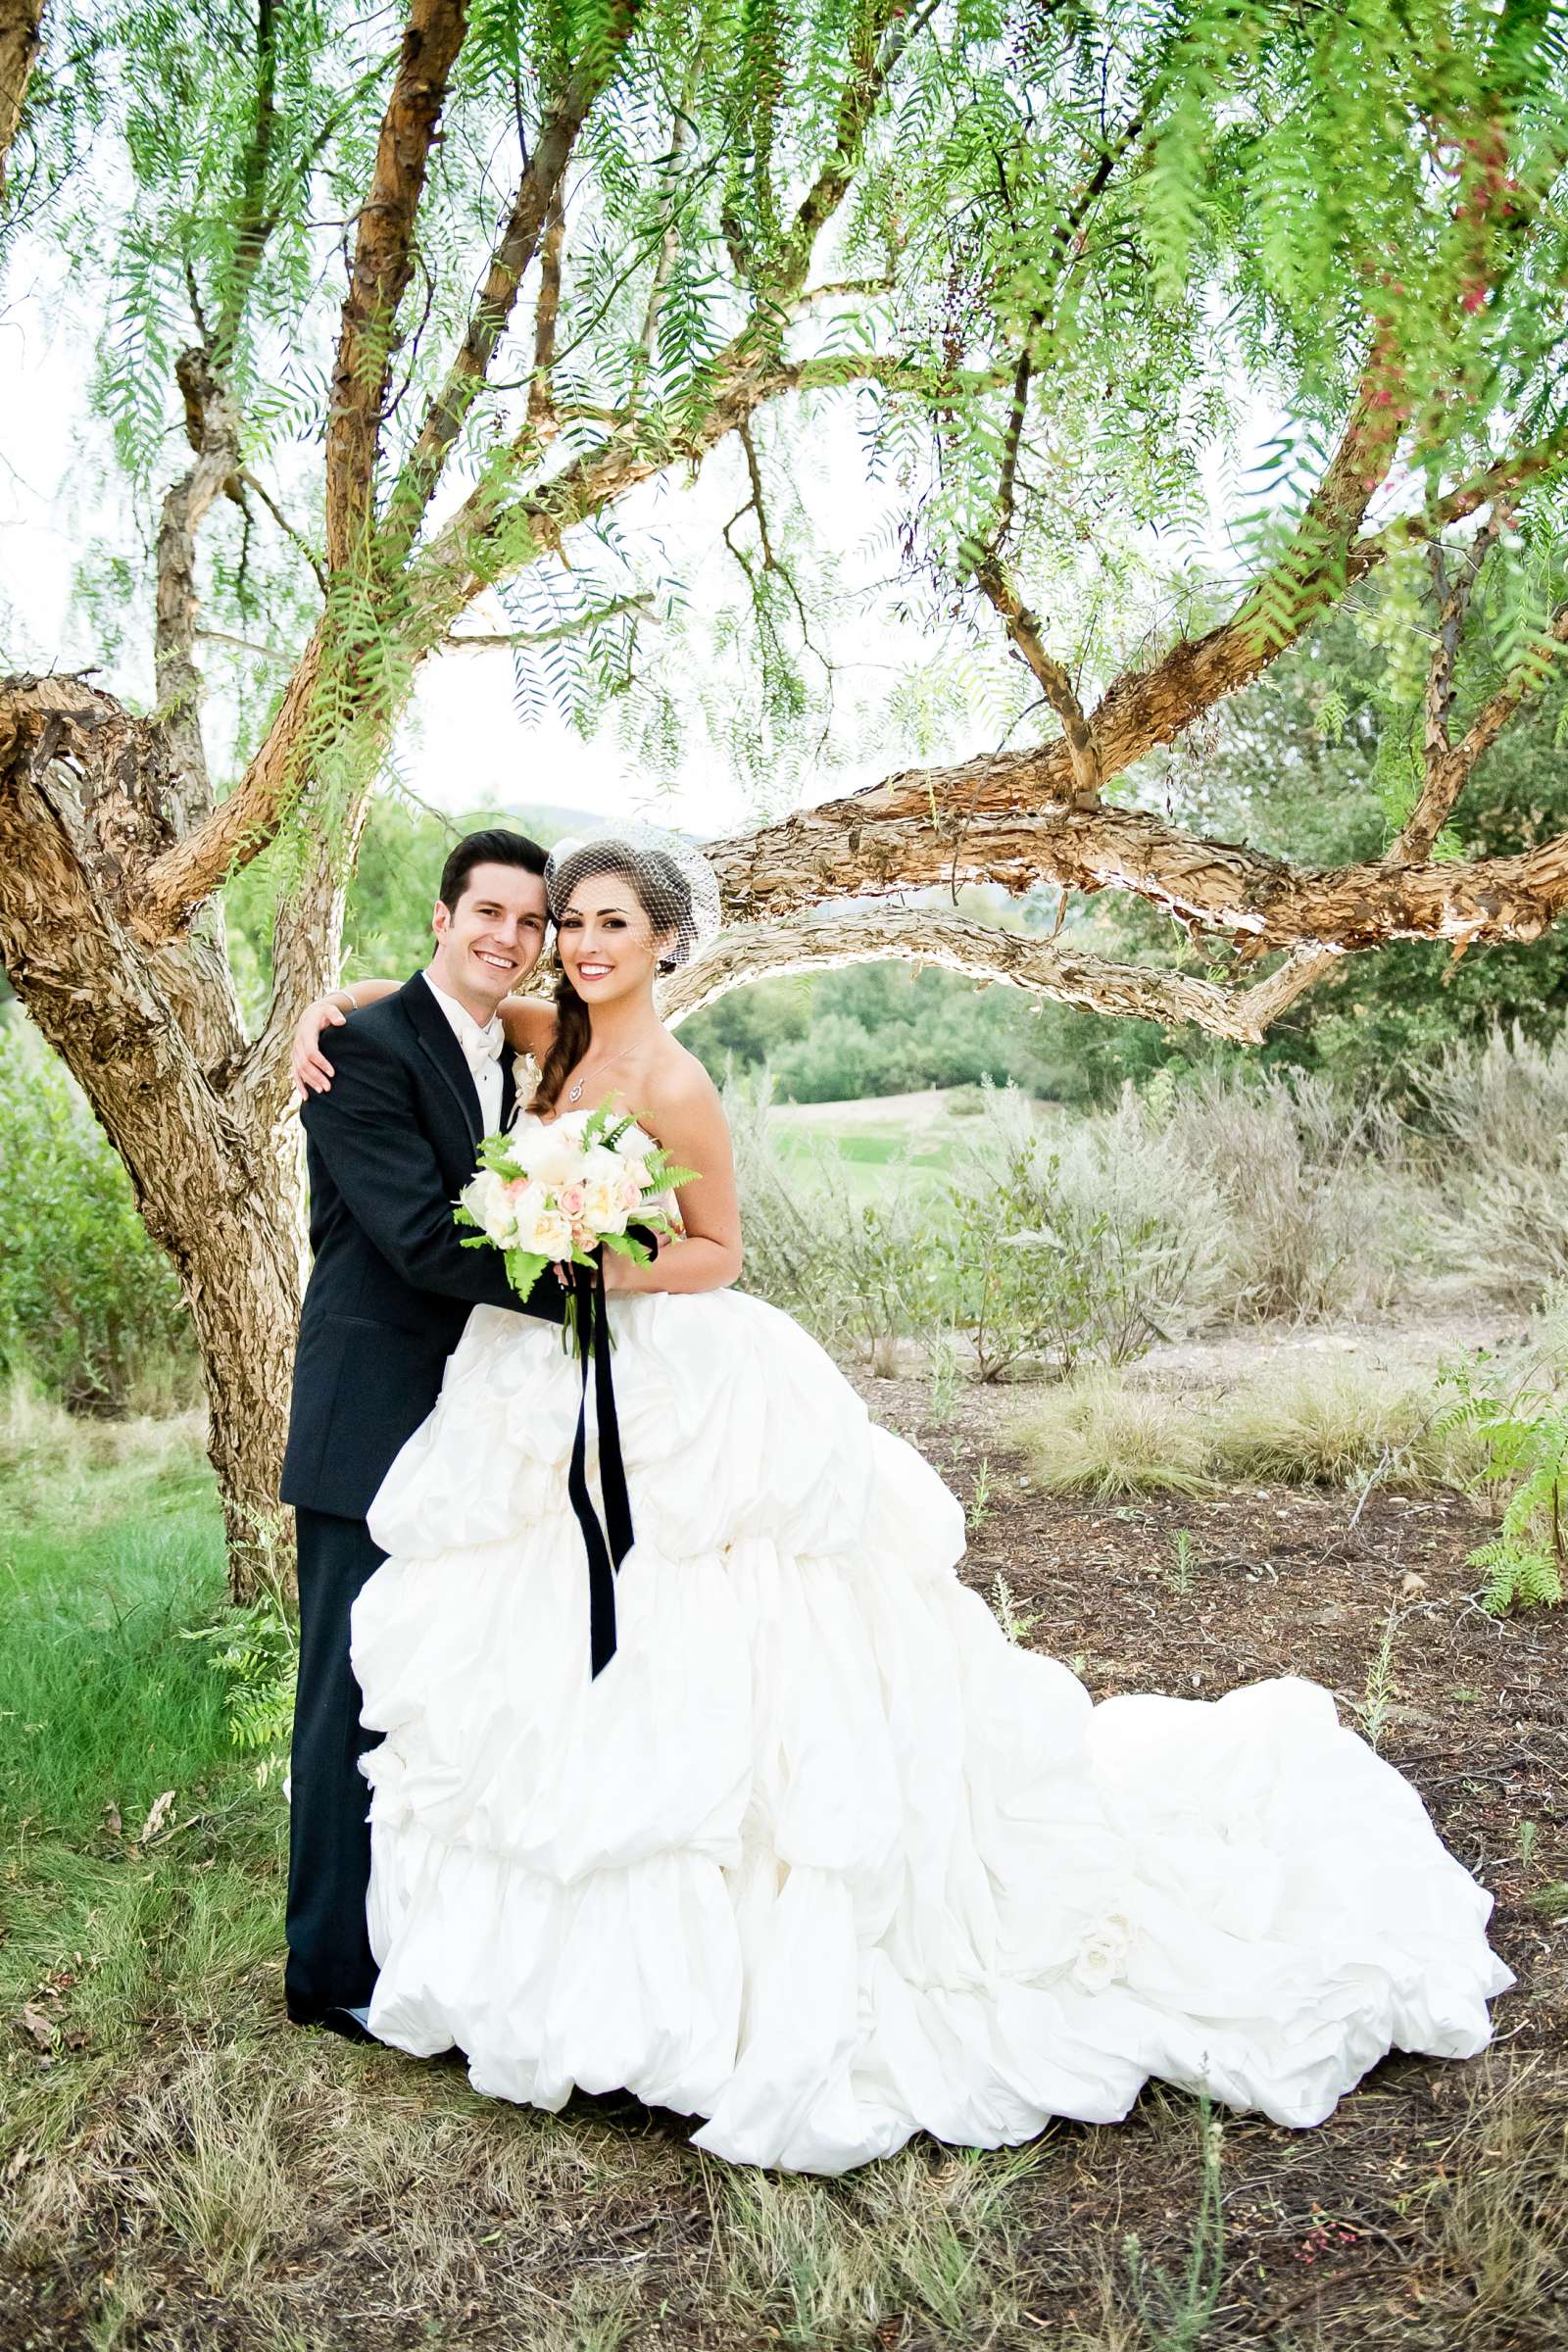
[[434, 1032], [508, 1090]]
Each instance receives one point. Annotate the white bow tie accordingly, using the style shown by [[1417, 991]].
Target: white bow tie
[[480, 1046]]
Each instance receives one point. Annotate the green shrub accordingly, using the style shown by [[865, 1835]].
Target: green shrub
[[1028, 1267], [1031, 1275], [1517, 1416], [1062, 1263], [89, 1308]]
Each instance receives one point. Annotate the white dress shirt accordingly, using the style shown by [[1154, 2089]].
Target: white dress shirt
[[482, 1050]]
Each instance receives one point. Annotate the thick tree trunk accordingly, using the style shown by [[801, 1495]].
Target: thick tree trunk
[[226, 1203], [227, 1206], [243, 1277], [152, 1038]]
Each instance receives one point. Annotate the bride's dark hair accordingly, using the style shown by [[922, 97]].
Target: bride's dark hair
[[664, 895]]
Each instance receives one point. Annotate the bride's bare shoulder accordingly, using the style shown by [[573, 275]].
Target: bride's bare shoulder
[[675, 1081]]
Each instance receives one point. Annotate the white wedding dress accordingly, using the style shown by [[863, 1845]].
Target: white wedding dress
[[821, 1857]]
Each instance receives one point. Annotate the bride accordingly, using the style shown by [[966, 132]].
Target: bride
[[821, 1857]]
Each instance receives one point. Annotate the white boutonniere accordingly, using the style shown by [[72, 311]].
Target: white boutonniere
[[525, 1078]]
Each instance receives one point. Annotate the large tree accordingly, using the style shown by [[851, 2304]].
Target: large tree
[[1050, 246]]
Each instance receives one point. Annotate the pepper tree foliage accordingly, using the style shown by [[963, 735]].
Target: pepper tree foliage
[[1058, 254]]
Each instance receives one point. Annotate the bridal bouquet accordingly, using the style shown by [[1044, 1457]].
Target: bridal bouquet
[[559, 1194]]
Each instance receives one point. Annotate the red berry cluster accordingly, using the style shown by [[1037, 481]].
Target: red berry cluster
[[1328, 2237]]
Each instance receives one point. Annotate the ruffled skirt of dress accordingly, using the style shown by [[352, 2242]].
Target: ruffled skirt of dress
[[821, 1857]]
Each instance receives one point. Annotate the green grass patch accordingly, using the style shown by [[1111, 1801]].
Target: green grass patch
[[102, 1703], [863, 1159], [120, 1920]]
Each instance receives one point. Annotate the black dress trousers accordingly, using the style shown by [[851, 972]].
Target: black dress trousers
[[329, 1962]]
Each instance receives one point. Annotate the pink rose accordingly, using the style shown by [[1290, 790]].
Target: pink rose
[[574, 1200], [631, 1192]]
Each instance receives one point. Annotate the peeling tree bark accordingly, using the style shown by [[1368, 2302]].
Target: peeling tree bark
[[21, 25], [219, 1192], [924, 935], [834, 852]]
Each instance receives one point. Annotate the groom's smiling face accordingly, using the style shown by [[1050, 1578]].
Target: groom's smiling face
[[492, 938]]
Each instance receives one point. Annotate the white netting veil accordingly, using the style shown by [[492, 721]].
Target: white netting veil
[[672, 878]]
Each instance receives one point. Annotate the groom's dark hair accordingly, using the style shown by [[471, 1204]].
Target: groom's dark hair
[[493, 845]]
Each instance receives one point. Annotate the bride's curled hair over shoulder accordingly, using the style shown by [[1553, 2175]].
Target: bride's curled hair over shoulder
[[676, 889]]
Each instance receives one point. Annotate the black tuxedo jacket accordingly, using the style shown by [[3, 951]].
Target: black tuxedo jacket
[[388, 1148]]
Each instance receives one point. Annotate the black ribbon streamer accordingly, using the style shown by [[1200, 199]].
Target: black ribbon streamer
[[607, 1546]]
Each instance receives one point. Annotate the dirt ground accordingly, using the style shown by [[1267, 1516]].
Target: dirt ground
[[1329, 2234]]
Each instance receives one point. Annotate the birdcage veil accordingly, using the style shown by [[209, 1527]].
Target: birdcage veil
[[671, 877]]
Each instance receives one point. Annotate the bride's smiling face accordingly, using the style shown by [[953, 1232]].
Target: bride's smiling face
[[606, 940]]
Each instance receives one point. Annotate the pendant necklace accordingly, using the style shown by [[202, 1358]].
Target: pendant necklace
[[574, 1093]]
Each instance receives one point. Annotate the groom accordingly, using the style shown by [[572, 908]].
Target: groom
[[418, 1079]]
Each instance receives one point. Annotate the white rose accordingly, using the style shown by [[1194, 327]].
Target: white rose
[[633, 1144], [546, 1155], [486, 1201], [606, 1210], [541, 1226], [518, 1215], [600, 1165], [1102, 1954]]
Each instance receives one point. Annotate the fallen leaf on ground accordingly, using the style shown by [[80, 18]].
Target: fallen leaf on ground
[[41, 2027], [157, 1817]]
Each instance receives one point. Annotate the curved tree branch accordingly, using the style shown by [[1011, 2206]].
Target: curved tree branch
[[883, 34], [542, 416], [1140, 711], [381, 268], [837, 851], [255, 224], [1451, 767], [536, 201], [980, 950], [997, 583], [213, 434]]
